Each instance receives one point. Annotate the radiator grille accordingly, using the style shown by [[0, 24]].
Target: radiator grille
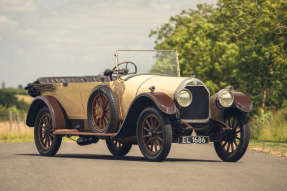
[[199, 108]]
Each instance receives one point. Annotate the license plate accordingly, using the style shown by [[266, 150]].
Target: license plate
[[193, 140]]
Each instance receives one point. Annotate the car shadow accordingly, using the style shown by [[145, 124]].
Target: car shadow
[[125, 158]]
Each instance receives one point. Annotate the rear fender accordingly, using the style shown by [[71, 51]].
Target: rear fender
[[56, 111]]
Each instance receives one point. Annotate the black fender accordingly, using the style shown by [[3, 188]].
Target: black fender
[[241, 103], [57, 113], [160, 100]]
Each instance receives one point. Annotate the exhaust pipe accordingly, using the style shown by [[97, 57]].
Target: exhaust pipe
[[87, 140]]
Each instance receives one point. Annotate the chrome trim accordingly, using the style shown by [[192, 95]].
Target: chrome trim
[[183, 85], [217, 98], [189, 92]]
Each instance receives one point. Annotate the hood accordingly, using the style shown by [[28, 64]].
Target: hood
[[166, 84]]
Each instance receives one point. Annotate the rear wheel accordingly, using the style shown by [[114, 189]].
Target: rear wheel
[[235, 141], [117, 148], [47, 144], [154, 134]]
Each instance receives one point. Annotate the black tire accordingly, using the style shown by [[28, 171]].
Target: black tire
[[46, 143], [154, 134], [236, 140], [117, 148], [104, 120]]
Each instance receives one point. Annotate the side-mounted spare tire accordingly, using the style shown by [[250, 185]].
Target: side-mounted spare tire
[[103, 110]]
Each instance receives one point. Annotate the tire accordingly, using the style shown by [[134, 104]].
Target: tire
[[154, 134], [117, 148], [46, 143], [103, 110], [236, 140]]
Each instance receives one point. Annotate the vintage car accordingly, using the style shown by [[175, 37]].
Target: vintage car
[[142, 100]]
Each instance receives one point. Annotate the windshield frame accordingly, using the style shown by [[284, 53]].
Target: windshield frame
[[146, 50]]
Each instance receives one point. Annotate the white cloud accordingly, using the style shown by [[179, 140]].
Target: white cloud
[[6, 21], [78, 35], [30, 32], [17, 5]]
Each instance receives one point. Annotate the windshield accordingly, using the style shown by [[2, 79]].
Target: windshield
[[151, 61]]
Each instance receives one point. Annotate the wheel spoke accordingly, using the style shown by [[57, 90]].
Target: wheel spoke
[[228, 147], [146, 129], [159, 138], [151, 147], [225, 142], [235, 143], [148, 124], [148, 141], [155, 147], [152, 134], [146, 136], [158, 132]]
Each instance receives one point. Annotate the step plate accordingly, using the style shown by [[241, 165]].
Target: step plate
[[76, 132]]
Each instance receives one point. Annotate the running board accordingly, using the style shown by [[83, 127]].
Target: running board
[[76, 132]]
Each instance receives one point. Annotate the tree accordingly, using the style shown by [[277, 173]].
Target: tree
[[3, 85], [238, 42], [8, 99]]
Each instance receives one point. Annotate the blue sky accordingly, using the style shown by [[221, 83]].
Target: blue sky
[[75, 37]]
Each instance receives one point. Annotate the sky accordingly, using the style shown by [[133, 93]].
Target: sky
[[75, 37]]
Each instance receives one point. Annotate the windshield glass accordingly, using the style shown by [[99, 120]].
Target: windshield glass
[[151, 61]]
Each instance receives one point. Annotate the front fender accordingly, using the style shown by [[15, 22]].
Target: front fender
[[57, 113], [241, 102], [158, 99], [162, 101]]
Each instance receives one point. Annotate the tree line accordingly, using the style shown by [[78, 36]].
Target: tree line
[[9, 103], [237, 42]]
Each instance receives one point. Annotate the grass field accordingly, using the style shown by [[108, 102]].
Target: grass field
[[26, 98], [18, 132], [275, 148]]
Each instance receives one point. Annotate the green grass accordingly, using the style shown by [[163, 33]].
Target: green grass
[[276, 148], [16, 137], [16, 91], [270, 126]]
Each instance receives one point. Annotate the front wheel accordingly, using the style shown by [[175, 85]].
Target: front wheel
[[117, 148], [235, 141], [47, 144], [154, 134]]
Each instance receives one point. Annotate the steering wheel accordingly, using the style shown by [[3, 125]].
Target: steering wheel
[[125, 70]]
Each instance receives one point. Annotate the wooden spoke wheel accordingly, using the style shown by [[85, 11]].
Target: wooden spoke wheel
[[154, 134], [101, 112], [46, 143], [118, 148], [45, 131], [235, 141]]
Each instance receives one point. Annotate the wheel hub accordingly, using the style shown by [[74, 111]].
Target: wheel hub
[[230, 136]]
